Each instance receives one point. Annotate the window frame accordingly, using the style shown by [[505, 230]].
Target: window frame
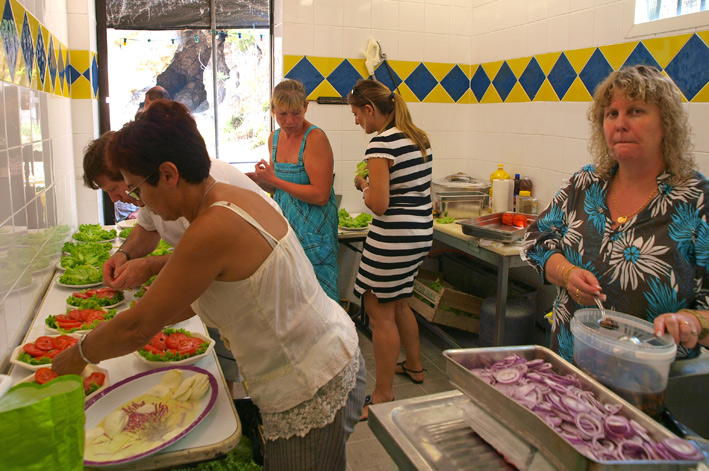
[[666, 25]]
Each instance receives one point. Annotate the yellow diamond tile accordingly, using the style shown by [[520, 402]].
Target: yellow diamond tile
[[579, 57], [359, 66], [289, 62], [407, 94], [517, 95], [468, 97], [702, 96], [19, 13], [492, 68], [547, 61], [491, 96], [325, 65], [21, 72], [324, 89], [704, 35], [81, 89], [439, 70], [546, 92], [403, 68], [4, 66], [577, 92], [467, 70], [518, 65], [665, 49], [617, 54], [438, 95], [47, 84], [79, 60], [35, 85], [65, 91], [34, 27]]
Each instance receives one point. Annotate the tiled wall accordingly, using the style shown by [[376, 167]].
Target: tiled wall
[[44, 62]]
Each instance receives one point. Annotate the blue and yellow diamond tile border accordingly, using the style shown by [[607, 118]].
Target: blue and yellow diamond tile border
[[31, 56], [569, 76]]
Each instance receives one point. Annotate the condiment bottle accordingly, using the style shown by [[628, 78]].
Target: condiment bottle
[[499, 174], [526, 204]]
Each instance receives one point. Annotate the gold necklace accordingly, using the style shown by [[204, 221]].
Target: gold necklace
[[621, 219]]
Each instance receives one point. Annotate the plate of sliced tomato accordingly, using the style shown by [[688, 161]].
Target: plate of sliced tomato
[[95, 378], [78, 321], [175, 347], [103, 297], [39, 353]]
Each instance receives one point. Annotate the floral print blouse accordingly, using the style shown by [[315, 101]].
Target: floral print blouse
[[654, 263]]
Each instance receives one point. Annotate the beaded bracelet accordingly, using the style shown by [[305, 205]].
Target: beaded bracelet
[[567, 273], [703, 322], [81, 350]]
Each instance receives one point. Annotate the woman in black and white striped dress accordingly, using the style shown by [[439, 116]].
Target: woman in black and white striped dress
[[398, 192]]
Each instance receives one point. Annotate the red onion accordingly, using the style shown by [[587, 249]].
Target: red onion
[[682, 449]]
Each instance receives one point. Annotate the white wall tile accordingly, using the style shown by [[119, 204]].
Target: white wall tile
[[358, 13], [76, 6], [459, 51], [79, 35], [580, 5], [388, 41], [537, 38], [298, 11], [575, 122], [558, 7], [437, 19], [537, 11], [558, 33], [461, 21], [385, 14], [436, 48], [552, 152], [411, 46], [554, 116], [609, 27], [354, 41], [82, 116], [698, 120], [411, 16], [329, 12], [297, 39], [581, 29], [327, 41]]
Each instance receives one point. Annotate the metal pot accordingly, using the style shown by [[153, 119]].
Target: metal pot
[[459, 195]]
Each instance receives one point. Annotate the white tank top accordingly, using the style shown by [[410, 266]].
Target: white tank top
[[288, 337]]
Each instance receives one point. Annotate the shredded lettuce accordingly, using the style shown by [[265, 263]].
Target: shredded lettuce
[[362, 171], [93, 233], [81, 275], [345, 220]]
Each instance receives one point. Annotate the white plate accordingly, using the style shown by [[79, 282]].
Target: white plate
[[115, 396], [59, 266], [357, 229], [90, 285], [187, 361], [18, 350], [77, 332], [111, 306], [84, 374], [126, 224]]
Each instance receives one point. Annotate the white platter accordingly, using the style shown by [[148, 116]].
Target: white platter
[[110, 306], [18, 350], [78, 332], [126, 224], [187, 361], [84, 374], [90, 285], [355, 229], [115, 396]]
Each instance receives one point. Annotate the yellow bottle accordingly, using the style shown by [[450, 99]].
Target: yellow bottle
[[498, 174]]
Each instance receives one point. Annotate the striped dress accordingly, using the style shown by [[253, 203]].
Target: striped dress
[[399, 240]]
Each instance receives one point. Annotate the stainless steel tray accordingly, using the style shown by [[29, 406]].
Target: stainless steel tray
[[531, 427], [490, 227]]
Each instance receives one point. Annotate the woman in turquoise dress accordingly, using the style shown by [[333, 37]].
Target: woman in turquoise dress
[[299, 176]]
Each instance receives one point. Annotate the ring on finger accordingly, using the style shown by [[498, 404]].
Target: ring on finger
[[578, 296]]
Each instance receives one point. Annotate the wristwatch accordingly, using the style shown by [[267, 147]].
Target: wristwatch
[[124, 253]]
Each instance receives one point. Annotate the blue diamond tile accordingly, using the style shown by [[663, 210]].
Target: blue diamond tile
[[52, 62], [344, 77], [94, 75], [72, 74], [27, 48], [87, 74], [562, 75], [641, 55], [595, 71], [61, 68], [41, 56], [385, 74], [504, 81], [689, 67], [479, 83], [532, 78], [421, 82], [10, 41], [306, 73], [456, 83]]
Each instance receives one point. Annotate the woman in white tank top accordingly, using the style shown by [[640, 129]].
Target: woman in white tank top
[[240, 267]]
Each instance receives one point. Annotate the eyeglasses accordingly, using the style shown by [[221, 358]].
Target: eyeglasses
[[134, 193], [356, 93]]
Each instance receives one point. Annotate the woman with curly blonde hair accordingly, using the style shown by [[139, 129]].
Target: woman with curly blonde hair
[[631, 229]]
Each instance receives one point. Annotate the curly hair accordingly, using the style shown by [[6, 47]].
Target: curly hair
[[95, 162], [646, 84]]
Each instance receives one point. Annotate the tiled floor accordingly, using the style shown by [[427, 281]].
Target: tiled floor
[[364, 452]]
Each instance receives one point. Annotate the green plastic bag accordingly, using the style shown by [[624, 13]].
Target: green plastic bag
[[42, 427]]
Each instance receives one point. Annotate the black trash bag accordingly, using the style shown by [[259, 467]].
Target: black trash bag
[[252, 425]]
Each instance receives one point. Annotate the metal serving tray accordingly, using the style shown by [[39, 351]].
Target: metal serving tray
[[490, 227], [534, 429]]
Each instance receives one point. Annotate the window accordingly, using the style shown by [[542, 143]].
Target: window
[[663, 16]]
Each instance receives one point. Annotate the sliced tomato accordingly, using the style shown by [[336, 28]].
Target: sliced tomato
[[520, 220], [186, 347], [44, 342], [63, 318], [62, 342], [196, 341], [84, 295], [97, 377], [88, 384], [68, 325], [162, 336], [95, 315], [151, 349], [52, 353], [173, 340], [44, 375], [106, 292], [76, 315], [159, 344], [33, 350], [172, 350]]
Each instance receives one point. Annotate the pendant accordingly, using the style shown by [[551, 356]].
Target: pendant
[[621, 219]]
